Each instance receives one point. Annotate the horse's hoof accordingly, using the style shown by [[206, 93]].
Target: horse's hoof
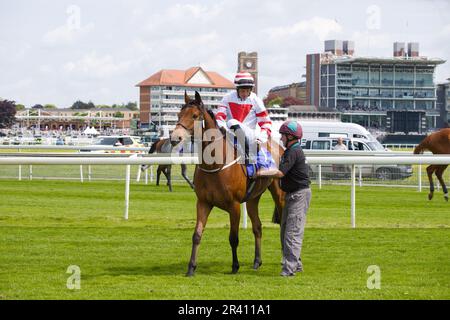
[[191, 271], [234, 270], [430, 196], [257, 264], [446, 197]]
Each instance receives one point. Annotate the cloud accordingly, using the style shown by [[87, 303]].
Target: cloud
[[66, 35], [320, 27], [92, 65], [17, 85]]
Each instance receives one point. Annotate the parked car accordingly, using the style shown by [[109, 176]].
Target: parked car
[[383, 172], [60, 142], [118, 141]]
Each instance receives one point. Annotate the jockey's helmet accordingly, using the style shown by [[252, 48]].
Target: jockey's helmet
[[244, 80], [293, 128]]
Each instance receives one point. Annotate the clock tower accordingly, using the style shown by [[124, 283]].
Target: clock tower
[[248, 62]]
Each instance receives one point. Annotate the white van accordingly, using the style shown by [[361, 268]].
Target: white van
[[332, 129]]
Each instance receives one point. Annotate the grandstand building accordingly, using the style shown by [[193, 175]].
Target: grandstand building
[[365, 89]]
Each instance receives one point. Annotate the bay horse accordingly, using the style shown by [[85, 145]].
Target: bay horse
[[164, 146], [223, 185], [438, 143]]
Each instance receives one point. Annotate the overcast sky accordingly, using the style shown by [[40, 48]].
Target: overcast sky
[[60, 51]]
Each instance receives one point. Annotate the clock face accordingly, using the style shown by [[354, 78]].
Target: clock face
[[248, 64]]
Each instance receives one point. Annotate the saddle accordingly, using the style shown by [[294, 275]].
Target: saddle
[[265, 160]]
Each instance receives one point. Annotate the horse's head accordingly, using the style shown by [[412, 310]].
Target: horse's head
[[192, 113]]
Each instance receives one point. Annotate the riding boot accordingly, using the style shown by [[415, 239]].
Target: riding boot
[[244, 147]]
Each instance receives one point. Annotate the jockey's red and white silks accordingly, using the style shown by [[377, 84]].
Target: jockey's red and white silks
[[250, 112]]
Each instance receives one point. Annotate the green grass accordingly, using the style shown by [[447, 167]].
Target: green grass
[[46, 226]]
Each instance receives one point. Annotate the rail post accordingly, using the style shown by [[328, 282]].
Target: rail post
[[319, 177], [419, 178], [353, 197], [127, 190], [244, 220]]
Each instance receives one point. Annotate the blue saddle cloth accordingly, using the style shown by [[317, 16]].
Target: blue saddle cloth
[[263, 160]]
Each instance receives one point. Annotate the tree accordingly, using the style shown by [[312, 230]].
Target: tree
[[270, 97], [132, 106], [82, 105], [7, 114], [37, 106], [277, 101], [118, 114], [273, 99], [291, 101], [20, 107], [49, 106]]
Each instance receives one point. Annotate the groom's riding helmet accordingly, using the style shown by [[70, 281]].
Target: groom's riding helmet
[[292, 128]]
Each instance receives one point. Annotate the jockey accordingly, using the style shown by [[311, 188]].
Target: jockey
[[241, 110]]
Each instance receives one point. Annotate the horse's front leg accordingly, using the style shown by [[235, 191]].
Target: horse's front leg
[[169, 177], [235, 217], [439, 173], [203, 211], [252, 208], [430, 170], [158, 174]]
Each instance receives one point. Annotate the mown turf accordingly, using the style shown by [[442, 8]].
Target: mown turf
[[47, 226]]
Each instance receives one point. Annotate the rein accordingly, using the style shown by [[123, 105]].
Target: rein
[[221, 168]]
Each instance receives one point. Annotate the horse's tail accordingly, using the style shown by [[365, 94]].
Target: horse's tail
[[153, 147], [152, 150], [276, 218], [421, 147]]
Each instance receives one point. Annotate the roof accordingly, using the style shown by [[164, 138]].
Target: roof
[[192, 77], [390, 60], [287, 86]]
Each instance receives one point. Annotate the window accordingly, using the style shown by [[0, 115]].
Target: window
[[386, 93], [127, 141], [321, 145], [404, 76], [424, 79], [331, 92], [404, 105], [360, 146], [374, 93], [331, 80], [374, 75], [360, 75], [332, 69]]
